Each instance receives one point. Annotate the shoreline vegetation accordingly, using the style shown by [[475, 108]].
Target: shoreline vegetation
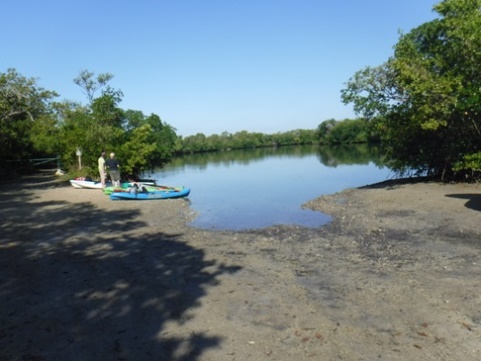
[[394, 276]]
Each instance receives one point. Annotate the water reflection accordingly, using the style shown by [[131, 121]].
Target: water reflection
[[245, 189], [238, 156], [333, 156]]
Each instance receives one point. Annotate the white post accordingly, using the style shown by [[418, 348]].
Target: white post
[[79, 155]]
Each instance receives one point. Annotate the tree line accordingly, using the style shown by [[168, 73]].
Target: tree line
[[347, 131]]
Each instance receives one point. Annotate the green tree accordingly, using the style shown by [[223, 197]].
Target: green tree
[[89, 84], [136, 152], [147, 142], [347, 132], [22, 103], [90, 128], [323, 130], [425, 100], [45, 136], [195, 143], [164, 138]]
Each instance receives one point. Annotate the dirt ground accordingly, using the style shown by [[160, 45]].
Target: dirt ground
[[396, 275]]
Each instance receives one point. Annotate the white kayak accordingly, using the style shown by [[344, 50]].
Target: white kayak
[[81, 184], [89, 184]]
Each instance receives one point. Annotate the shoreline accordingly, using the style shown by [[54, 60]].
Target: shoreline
[[394, 276]]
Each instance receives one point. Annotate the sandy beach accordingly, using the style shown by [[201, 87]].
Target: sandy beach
[[396, 275]]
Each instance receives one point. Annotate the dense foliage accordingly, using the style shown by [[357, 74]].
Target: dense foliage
[[32, 124], [246, 140], [329, 132], [425, 100], [21, 103], [347, 131]]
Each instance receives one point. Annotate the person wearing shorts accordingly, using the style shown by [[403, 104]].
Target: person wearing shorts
[[113, 167]]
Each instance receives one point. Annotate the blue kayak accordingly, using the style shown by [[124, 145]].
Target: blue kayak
[[151, 194]]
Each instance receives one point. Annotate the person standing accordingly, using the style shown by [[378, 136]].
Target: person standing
[[102, 168], [113, 166]]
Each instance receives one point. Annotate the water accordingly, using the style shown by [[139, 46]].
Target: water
[[252, 189]]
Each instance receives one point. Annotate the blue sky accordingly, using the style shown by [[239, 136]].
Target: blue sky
[[209, 66]]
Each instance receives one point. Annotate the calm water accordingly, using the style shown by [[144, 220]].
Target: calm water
[[257, 188]]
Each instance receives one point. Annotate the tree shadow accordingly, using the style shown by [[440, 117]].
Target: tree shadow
[[473, 200], [79, 283]]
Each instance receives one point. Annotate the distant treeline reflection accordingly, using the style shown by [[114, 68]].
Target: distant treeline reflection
[[329, 155]]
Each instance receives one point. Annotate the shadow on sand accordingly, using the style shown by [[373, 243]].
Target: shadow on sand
[[79, 284], [473, 200]]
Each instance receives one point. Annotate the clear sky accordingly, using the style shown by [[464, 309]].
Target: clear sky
[[209, 66]]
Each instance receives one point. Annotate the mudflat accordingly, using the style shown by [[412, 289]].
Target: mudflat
[[396, 275]]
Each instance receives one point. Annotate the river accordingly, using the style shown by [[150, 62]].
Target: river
[[257, 188]]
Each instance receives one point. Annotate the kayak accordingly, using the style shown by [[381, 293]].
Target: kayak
[[158, 193], [89, 184], [125, 186], [86, 184]]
